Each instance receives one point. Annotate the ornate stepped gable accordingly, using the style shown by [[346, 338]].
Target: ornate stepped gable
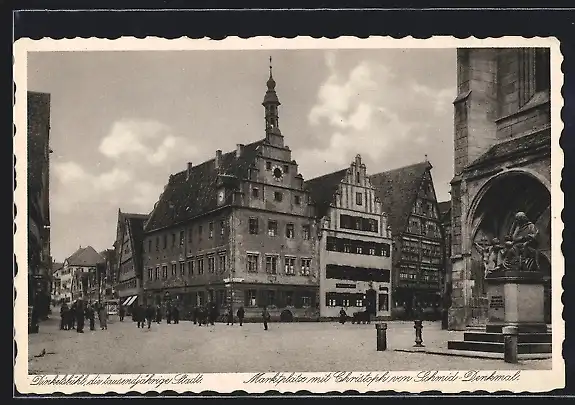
[[397, 190], [188, 195], [323, 189]]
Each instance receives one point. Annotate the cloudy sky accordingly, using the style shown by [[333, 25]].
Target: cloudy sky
[[123, 121]]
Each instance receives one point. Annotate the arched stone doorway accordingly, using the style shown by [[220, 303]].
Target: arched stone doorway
[[492, 216]]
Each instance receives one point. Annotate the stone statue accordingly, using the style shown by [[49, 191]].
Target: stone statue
[[491, 255], [525, 242]]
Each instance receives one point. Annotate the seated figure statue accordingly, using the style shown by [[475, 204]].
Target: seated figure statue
[[524, 240]]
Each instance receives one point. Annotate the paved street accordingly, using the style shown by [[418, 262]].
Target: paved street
[[124, 348]]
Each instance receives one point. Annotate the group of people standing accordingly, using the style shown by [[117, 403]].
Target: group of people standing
[[74, 316], [153, 313]]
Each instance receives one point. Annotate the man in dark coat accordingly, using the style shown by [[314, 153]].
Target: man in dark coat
[[139, 315], [342, 316], [176, 314], [72, 315], [80, 316], [168, 313], [229, 315], [122, 312], [241, 313], [149, 315], [266, 317], [212, 312], [64, 317], [90, 314], [158, 313]]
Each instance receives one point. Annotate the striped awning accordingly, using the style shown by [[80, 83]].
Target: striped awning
[[130, 300]]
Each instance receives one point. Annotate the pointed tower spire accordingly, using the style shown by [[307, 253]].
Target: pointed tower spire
[[271, 104]]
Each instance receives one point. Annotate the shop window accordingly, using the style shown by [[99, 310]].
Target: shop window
[[251, 298]]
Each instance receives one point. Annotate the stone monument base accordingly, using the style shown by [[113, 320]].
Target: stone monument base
[[516, 298]]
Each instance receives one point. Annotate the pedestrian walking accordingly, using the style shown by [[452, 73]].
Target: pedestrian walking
[[139, 315], [80, 316], [90, 315], [64, 317], [212, 312], [158, 313], [103, 315], [266, 317], [195, 314], [342, 316], [73, 315], [229, 316], [176, 314], [122, 312], [168, 314], [241, 313], [149, 315]]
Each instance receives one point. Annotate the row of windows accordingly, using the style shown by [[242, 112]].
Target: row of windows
[[356, 300], [353, 273], [334, 244], [272, 263], [426, 228], [272, 298], [278, 196], [182, 236], [272, 229], [358, 223], [425, 208], [189, 268]]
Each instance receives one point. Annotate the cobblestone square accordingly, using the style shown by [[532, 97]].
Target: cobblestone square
[[186, 347]]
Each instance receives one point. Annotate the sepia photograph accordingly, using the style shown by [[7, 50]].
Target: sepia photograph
[[372, 214]]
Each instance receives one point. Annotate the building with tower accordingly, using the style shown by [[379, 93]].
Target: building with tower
[[354, 244], [502, 166], [236, 230], [408, 197]]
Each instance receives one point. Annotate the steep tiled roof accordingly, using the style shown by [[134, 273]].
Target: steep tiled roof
[[184, 198], [513, 146], [444, 210], [444, 207], [56, 266], [322, 190], [396, 189], [85, 257]]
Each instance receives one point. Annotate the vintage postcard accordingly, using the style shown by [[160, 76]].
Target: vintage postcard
[[288, 214]]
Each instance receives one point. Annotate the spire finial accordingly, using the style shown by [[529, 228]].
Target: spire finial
[[270, 66]]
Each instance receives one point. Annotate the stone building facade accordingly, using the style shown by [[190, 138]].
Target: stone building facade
[[38, 183], [236, 230], [354, 243], [502, 164], [408, 197], [81, 269]]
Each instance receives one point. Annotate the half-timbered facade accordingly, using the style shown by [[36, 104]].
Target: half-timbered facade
[[408, 196]]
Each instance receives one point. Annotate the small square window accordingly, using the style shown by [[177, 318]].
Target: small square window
[[268, 165], [286, 169], [255, 192], [297, 200], [278, 196]]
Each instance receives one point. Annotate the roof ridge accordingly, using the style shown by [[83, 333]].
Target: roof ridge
[[327, 174]]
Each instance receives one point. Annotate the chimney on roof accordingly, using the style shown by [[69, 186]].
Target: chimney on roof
[[189, 171], [218, 160], [239, 150]]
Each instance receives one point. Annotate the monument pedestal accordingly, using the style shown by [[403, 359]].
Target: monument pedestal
[[516, 298]]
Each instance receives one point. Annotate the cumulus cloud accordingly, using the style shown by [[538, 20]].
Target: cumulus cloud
[[151, 140]]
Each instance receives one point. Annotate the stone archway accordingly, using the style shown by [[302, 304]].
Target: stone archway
[[492, 216]]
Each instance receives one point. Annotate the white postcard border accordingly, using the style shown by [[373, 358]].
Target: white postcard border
[[524, 381]]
